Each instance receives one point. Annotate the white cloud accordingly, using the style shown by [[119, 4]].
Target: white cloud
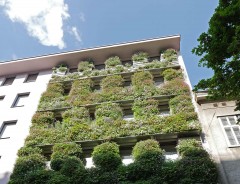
[[42, 18], [76, 34], [82, 17]]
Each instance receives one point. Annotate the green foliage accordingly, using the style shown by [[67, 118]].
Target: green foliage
[[140, 57], [60, 150], [76, 115], [43, 119], [85, 66], [191, 148], [181, 103], [170, 55], [108, 110], [111, 82], [27, 164], [106, 156], [220, 51], [113, 62], [197, 170], [145, 108], [143, 84], [81, 92], [155, 64], [27, 151], [54, 90], [144, 147], [175, 87], [170, 74]]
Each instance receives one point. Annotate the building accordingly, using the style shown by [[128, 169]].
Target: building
[[124, 93], [221, 134]]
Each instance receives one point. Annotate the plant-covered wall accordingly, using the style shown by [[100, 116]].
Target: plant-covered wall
[[73, 108], [149, 166]]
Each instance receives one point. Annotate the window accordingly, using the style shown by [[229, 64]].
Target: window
[[7, 129], [1, 98], [158, 80], [20, 100], [128, 114], [231, 130], [164, 110], [8, 81], [31, 77]]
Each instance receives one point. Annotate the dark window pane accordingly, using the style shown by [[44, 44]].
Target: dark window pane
[[31, 77], [232, 120], [20, 100], [8, 81]]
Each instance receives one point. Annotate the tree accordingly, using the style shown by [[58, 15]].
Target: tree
[[220, 51]]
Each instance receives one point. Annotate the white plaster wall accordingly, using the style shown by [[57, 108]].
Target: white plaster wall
[[227, 159], [23, 115]]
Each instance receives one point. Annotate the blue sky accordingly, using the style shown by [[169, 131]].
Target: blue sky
[[36, 27]]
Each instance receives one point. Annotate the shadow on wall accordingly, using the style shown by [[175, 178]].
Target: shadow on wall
[[4, 177], [230, 171]]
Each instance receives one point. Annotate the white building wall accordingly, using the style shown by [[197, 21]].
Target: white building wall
[[23, 115]]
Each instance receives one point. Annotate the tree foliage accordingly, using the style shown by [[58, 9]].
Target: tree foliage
[[220, 51]]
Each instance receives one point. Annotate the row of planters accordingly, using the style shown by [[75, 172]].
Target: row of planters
[[77, 125], [149, 166], [112, 89], [113, 65]]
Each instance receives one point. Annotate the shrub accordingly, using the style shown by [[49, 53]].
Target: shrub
[[43, 119], [140, 79], [181, 103], [54, 90], [170, 74], [112, 62], [143, 85], [170, 55], [174, 87], [61, 150], [58, 178], [145, 108], [197, 170], [76, 115], [155, 64], [140, 56], [191, 148], [148, 146], [108, 110], [27, 164], [148, 162], [27, 151], [72, 167], [106, 156], [111, 82], [84, 66], [81, 92]]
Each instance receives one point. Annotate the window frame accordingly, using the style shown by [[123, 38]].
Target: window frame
[[26, 79], [6, 78], [4, 126], [231, 127], [16, 100]]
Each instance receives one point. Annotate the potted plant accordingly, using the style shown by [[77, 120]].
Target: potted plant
[[60, 69], [139, 59]]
